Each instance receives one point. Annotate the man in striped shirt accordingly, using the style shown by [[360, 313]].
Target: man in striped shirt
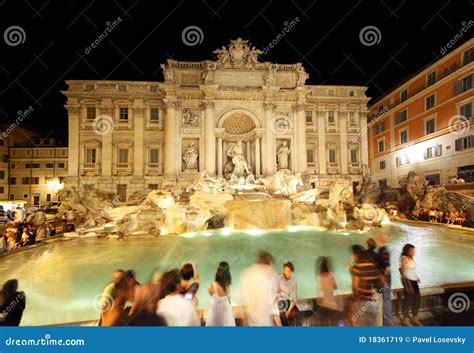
[[365, 279]]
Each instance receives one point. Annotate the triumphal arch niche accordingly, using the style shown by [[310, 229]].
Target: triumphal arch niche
[[237, 115]]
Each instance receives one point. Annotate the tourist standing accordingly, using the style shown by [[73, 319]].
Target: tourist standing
[[12, 304], [189, 272], [411, 290], [286, 292], [173, 306], [117, 314], [257, 293], [220, 310], [329, 303], [365, 279], [386, 280]]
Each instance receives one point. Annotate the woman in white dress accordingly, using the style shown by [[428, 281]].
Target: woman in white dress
[[220, 310]]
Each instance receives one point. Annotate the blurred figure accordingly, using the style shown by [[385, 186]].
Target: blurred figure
[[109, 293], [188, 271], [117, 315], [373, 256], [365, 279], [411, 291], [143, 310], [257, 293], [387, 280], [220, 310], [3, 243], [173, 306], [330, 304], [12, 304], [286, 292]]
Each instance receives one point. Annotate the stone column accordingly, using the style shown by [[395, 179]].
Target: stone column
[[219, 156], [270, 143], [171, 140], [249, 160], [209, 138], [106, 109], [322, 141], [343, 139], [300, 138], [138, 123], [74, 144], [257, 156]]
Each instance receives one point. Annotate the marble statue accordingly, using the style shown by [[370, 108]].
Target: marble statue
[[222, 55], [302, 76], [283, 154], [190, 158], [282, 183], [167, 73], [253, 54], [241, 167], [208, 74]]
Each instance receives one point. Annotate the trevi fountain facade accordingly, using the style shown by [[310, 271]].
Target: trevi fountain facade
[[218, 138]]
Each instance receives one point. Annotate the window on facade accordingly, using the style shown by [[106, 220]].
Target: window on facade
[[309, 117], [154, 115], [123, 157], [403, 137], [403, 95], [48, 197], [122, 88], [430, 126], [123, 113], [351, 93], [27, 165], [464, 143], [382, 165], [2, 174], [380, 127], [49, 165], [154, 156], [465, 110], [153, 88], [430, 101], [402, 160], [352, 118], [25, 181], [122, 192], [401, 116], [91, 155], [153, 186], [91, 113], [468, 56], [354, 156], [47, 179], [61, 180], [61, 165], [332, 156], [463, 84], [331, 119], [433, 151], [381, 145], [310, 156], [431, 78], [2, 189], [13, 181], [35, 180], [12, 197], [25, 196]]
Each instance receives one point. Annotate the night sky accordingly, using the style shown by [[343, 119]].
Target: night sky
[[326, 39]]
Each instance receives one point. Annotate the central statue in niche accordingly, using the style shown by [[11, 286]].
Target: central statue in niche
[[241, 167]]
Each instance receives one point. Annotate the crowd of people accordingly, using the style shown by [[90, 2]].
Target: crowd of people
[[19, 234], [262, 297], [434, 215]]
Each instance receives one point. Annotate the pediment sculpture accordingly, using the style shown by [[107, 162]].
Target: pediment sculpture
[[238, 53]]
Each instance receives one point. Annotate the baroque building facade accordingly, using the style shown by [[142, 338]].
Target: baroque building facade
[[125, 136]]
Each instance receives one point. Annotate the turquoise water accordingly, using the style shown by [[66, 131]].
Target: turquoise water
[[62, 279]]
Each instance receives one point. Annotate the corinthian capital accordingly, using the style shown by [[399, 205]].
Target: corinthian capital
[[298, 107], [204, 105], [269, 106]]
